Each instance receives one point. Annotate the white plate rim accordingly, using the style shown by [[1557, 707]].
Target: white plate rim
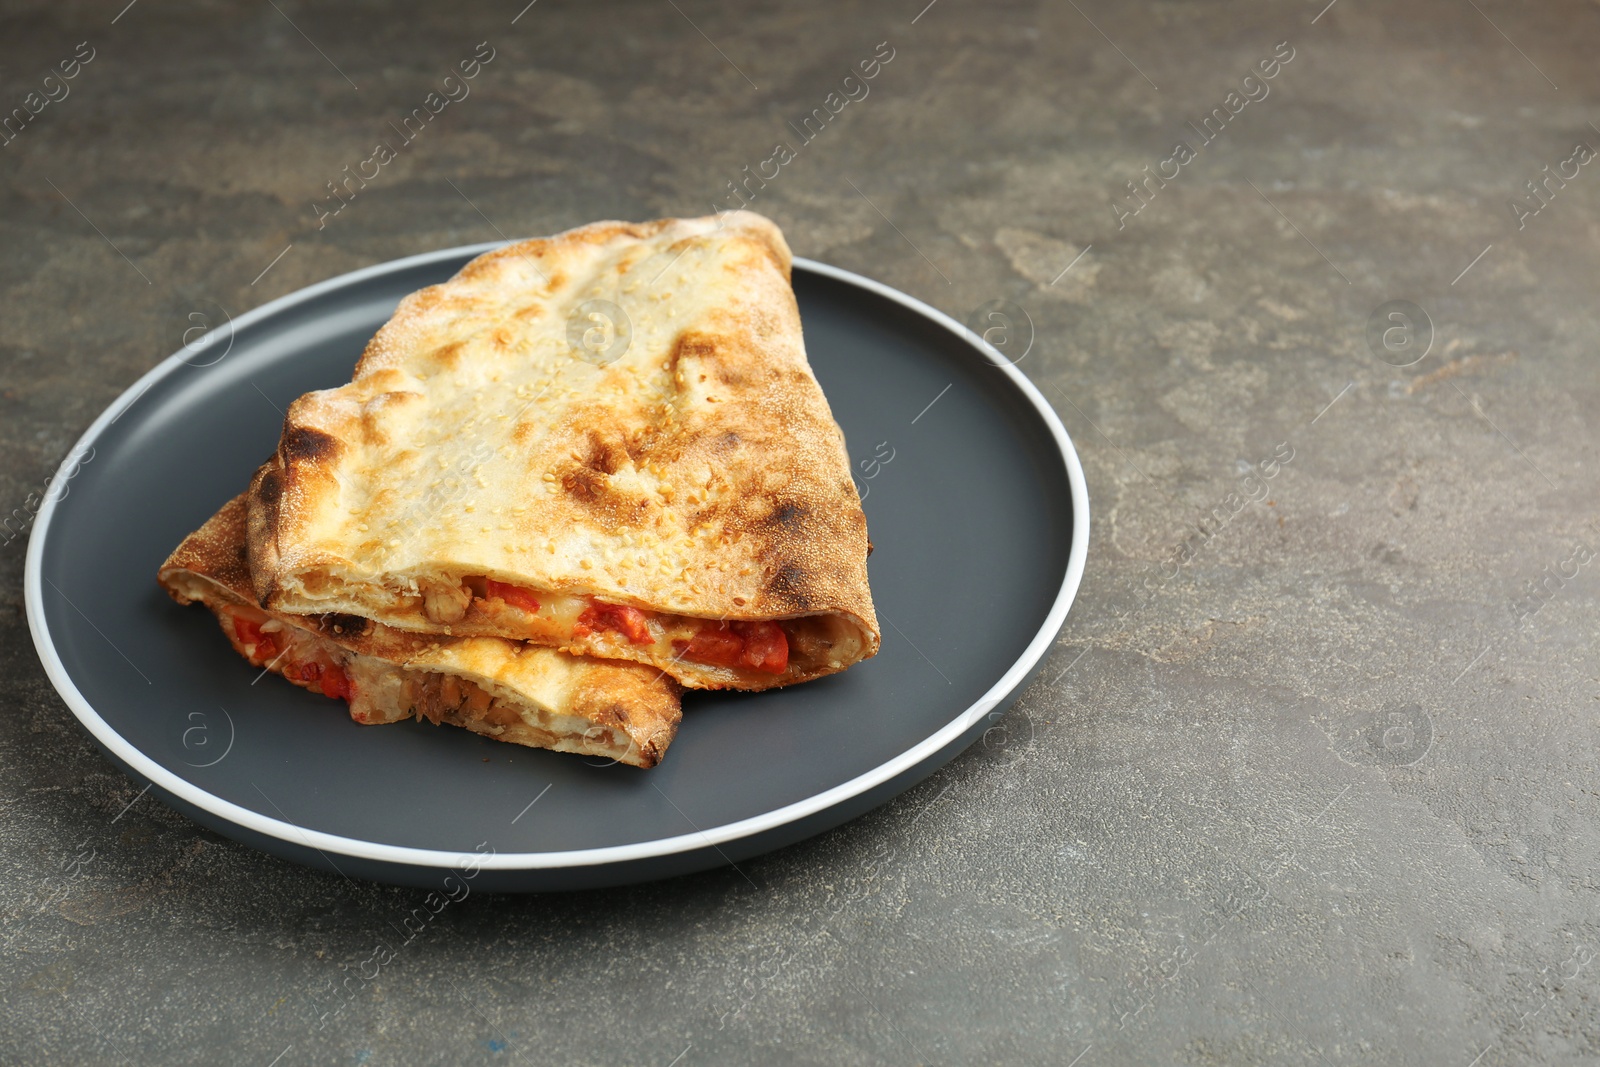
[[292, 834]]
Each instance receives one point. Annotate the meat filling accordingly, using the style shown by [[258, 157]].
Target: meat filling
[[444, 697]]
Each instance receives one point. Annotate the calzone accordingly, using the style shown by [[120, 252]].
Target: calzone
[[609, 441]]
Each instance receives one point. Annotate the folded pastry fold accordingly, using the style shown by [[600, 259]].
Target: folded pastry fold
[[609, 442], [526, 694]]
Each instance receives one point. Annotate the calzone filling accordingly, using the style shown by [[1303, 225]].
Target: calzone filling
[[479, 605], [379, 691]]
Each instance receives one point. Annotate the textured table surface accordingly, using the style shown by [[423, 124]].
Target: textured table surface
[[1310, 776]]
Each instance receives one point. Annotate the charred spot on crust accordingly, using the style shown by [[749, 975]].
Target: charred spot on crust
[[605, 456], [605, 503], [308, 445], [697, 345], [788, 516], [344, 625], [789, 585], [585, 484], [269, 487], [728, 440]]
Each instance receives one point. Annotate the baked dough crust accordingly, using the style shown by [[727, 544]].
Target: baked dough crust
[[699, 473]]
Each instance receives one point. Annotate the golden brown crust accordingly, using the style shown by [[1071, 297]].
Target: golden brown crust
[[699, 474], [624, 711]]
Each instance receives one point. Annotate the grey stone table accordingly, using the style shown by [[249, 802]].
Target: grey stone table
[[1310, 776]]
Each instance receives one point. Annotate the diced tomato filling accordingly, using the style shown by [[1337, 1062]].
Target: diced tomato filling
[[247, 630], [514, 595], [335, 683], [766, 646], [758, 646], [249, 633], [717, 645], [315, 673], [619, 618]]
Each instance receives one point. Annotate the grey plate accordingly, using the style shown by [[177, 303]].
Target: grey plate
[[976, 505]]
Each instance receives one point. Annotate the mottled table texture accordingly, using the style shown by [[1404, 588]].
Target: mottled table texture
[[1310, 774]]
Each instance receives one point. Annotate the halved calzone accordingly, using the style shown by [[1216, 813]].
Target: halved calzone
[[526, 694], [609, 441]]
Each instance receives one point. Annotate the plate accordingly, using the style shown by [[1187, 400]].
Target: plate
[[974, 498]]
